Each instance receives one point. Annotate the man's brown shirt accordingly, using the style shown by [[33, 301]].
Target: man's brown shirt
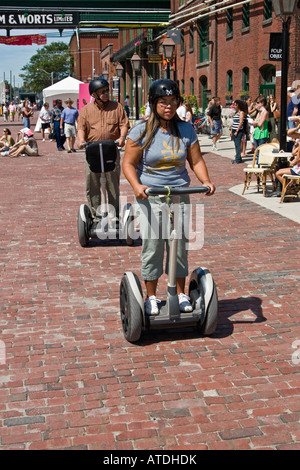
[[103, 121]]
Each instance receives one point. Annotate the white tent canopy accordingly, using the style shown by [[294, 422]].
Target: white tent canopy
[[66, 88]]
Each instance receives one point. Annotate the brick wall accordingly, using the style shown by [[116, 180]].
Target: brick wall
[[244, 47]]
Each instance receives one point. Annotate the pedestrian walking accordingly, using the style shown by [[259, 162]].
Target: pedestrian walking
[[68, 120], [55, 124]]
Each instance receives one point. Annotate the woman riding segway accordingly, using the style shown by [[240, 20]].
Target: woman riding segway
[[155, 155]]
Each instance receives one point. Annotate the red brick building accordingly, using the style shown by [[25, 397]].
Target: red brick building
[[224, 47], [86, 51]]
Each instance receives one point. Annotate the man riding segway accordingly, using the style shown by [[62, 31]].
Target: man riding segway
[[100, 120]]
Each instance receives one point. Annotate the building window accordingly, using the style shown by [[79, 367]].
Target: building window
[[267, 9], [192, 87], [246, 15], [229, 81], [191, 37], [245, 78], [229, 20], [182, 40], [204, 36], [182, 87]]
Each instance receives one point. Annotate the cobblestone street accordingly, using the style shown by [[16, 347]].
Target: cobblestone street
[[69, 379]]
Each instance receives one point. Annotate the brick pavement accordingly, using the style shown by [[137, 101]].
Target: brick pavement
[[71, 381]]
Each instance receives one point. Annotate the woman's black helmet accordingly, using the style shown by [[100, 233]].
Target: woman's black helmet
[[163, 87], [96, 84]]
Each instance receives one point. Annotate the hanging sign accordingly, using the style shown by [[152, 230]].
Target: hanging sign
[[275, 47], [155, 59], [37, 19]]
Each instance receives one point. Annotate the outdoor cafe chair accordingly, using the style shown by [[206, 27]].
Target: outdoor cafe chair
[[288, 181], [262, 167]]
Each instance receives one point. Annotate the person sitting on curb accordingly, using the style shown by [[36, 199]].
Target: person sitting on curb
[[26, 146], [6, 141]]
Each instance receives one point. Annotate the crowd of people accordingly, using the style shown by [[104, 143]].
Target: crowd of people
[[255, 121], [59, 124]]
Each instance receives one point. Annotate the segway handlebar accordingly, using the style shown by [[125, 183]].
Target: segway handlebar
[[167, 191], [85, 144]]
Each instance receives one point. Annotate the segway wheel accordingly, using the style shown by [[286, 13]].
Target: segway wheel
[[203, 292], [83, 223], [131, 312]]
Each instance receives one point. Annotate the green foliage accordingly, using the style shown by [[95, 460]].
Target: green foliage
[[53, 58], [192, 100]]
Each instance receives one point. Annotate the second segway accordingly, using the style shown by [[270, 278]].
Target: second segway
[[102, 157]]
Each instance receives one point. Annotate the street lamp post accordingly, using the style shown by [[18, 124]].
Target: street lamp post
[[168, 48], [284, 9], [105, 76], [119, 72], [136, 65]]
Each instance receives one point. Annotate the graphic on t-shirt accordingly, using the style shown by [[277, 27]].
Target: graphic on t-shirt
[[168, 162]]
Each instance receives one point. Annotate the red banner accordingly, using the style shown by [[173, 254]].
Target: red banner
[[24, 40]]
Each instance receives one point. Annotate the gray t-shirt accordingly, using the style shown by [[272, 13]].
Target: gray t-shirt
[[163, 164]]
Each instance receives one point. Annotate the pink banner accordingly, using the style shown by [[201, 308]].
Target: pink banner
[[84, 96]]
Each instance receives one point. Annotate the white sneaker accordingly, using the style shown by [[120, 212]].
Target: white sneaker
[[184, 303], [151, 307], [44, 140]]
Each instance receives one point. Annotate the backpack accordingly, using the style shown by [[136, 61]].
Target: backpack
[[101, 155]]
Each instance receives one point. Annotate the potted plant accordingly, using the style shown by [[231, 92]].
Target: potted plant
[[244, 95], [228, 98], [192, 100]]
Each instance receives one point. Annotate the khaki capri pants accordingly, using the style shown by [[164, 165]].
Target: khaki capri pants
[[153, 220]]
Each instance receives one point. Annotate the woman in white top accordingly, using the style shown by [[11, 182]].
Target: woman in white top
[[45, 117]]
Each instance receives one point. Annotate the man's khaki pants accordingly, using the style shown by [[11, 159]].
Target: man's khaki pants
[[93, 191]]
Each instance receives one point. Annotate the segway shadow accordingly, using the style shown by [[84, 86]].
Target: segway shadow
[[202, 291]]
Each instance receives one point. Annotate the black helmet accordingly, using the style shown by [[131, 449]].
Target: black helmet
[[96, 84], [163, 87]]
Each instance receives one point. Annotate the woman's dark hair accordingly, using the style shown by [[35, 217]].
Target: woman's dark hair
[[262, 99], [240, 104]]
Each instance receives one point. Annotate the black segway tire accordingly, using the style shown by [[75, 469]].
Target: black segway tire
[[83, 225], [131, 312], [211, 316], [203, 292]]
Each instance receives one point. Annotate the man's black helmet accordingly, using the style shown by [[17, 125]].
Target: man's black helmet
[[97, 83], [163, 87]]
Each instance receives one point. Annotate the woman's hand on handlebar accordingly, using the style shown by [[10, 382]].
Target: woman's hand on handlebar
[[211, 186], [139, 191]]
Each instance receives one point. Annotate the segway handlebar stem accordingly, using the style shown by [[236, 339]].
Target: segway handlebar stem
[[169, 191]]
